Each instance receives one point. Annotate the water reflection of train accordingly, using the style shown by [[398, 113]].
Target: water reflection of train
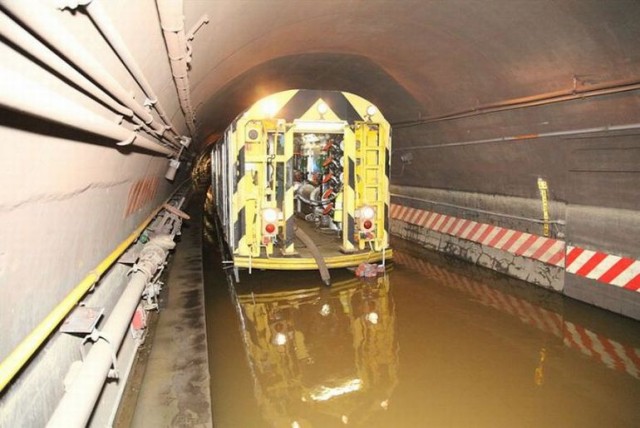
[[321, 357], [300, 180]]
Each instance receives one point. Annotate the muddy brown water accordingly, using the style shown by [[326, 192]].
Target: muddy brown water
[[433, 343]]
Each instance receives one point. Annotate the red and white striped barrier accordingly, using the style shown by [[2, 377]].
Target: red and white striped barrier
[[619, 271], [606, 268], [603, 349], [546, 250]]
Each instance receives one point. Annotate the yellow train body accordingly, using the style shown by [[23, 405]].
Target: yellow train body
[[305, 162]]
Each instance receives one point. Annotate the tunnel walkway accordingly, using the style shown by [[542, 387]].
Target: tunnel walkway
[[175, 387]]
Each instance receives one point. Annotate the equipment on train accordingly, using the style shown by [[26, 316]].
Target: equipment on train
[[299, 164]]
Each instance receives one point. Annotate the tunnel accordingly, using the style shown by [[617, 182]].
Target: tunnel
[[516, 153]]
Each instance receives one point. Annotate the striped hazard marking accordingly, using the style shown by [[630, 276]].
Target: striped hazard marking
[[615, 270], [623, 272], [603, 349], [547, 250]]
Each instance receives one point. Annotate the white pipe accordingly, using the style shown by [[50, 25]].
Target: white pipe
[[123, 384], [42, 22], [103, 22], [21, 94], [172, 23], [32, 46], [76, 406]]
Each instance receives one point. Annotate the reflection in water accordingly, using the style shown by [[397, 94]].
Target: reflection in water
[[478, 350], [601, 348], [321, 352]]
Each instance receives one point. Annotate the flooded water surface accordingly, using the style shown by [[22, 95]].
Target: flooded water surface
[[429, 344]]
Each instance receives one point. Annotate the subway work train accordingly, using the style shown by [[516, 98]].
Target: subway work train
[[300, 180]]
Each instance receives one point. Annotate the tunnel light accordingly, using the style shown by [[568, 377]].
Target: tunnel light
[[371, 110], [174, 164], [322, 108]]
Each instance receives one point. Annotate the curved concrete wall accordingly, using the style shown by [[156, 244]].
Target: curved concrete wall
[[67, 198]]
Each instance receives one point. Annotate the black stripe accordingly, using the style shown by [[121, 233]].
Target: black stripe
[[352, 174], [304, 99], [387, 163], [351, 229], [239, 228], [386, 217], [239, 170]]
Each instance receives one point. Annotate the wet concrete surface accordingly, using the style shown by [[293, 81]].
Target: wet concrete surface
[[433, 343], [174, 390]]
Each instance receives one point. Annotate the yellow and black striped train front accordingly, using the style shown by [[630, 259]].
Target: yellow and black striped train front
[[304, 162]]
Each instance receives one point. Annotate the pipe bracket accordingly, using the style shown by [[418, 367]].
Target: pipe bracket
[[148, 102], [127, 141], [94, 336]]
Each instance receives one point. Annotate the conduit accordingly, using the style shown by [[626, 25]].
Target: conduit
[[606, 128], [575, 93], [33, 47], [102, 21], [478, 210], [172, 23], [76, 406], [20, 94], [37, 17], [12, 364]]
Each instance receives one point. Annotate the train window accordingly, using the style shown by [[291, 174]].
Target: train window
[[279, 146]]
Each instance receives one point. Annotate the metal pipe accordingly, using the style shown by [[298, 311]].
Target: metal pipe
[[12, 364], [36, 49], [172, 23], [76, 406], [39, 19], [103, 22], [20, 94], [477, 210], [531, 101], [606, 128]]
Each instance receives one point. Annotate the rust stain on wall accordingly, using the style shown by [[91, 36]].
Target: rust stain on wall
[[141, 193]]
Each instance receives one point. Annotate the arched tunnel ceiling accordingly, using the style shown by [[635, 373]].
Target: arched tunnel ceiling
[[412, 58]]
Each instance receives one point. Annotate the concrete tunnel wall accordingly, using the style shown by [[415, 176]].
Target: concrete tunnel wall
[[68, 197]]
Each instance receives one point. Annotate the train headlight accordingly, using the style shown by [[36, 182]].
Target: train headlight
[[371, 110], [270, 222], [366, 218], [367, 212], [270, 215], [322, 108]]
